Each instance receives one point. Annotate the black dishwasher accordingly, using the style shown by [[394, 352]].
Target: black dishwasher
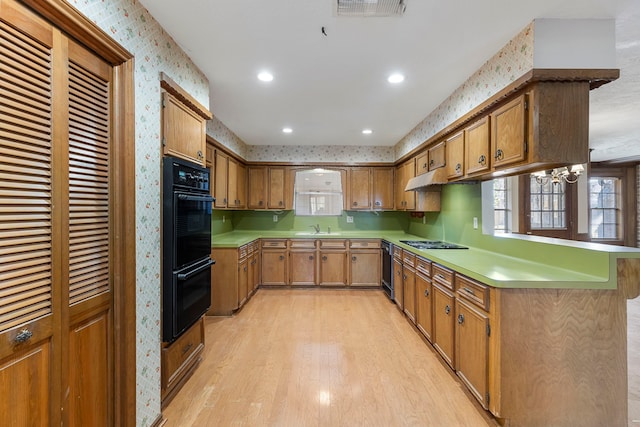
[[387, 262]]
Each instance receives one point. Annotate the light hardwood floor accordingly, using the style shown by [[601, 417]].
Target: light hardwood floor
[[633, 350], [321, 357]]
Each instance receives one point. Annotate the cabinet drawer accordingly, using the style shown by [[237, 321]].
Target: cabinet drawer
[[364, 244], [182, 354], [473, 291], [274, 243], [397, 252], [302, 244], [333, 244], [423, 265], [408, 258], [254, 246], [442, 275]]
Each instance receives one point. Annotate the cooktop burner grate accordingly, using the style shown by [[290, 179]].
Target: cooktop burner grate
[[432, 244]]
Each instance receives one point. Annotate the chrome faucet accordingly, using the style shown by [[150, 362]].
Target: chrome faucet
[[316, 227]]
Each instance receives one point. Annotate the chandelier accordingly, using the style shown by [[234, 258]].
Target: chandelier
[[557, 175]]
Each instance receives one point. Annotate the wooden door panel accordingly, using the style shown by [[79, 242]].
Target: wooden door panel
[[303, 267], [333, 268], [220, 175], [257, 188], [365, 268], [508, 132], [25, 387], [276, 188], [274, 268], [359, 188], [472, 349], [89, 384], [423, 305], [383, 184], [478, 146], [443, 326]]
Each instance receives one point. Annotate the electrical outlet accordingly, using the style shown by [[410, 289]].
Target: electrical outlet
[[223, 219], [275, 218], [349, 219], [475, 223], [424, 219]]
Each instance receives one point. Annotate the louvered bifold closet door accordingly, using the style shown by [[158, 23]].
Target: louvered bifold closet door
[[27, 269], [90, 295]]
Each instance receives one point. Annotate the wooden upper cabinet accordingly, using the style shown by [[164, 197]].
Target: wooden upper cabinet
[[477, 147], [257, 187], [382, 187], [422, 163], [183, 131], [241, 186], [220, 179], [405, 200], [436, 156], [277, 188], [454, 148], [360, 188], [267, 188], [509, 131]]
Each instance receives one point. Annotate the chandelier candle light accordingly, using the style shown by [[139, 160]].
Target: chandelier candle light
[[558, 174]]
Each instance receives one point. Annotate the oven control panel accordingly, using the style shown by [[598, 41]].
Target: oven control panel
[[191, 177]]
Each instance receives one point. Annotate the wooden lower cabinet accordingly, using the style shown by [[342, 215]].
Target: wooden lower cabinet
[[398, 286], [332, 266], [275, 262], [409, 285], [179, 359], [443, 321], [423, 305], [472, 349], [234, 277], [364, 268]]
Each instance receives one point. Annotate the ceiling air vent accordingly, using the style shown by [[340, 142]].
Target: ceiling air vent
[[370, 8]]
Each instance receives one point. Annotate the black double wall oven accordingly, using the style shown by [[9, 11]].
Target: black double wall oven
[[186, 259]]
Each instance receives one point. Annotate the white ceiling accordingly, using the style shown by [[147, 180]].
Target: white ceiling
[[328, 88]]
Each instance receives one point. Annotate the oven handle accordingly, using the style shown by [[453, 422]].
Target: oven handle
[[185, 276], [195, 198]]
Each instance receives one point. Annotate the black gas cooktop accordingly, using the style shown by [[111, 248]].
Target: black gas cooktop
[[431, 244]]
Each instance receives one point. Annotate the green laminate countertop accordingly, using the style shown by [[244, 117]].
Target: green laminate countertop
[[492, 268]]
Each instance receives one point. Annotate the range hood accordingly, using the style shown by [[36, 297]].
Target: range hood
[[424, 181]]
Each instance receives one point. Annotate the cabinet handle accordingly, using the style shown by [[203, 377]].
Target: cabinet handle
[[458, 168], [224, 200], [440, 276], [280, 203], [404, 276], [324, 257], [281, 257], [482, 160], [354, 258], [499, 154], [355, 203], [260, 203], [460, 319], [426, 292], [424, 166], [245, 268], [310, 257], [23, 336], [378, 203], [447, 309], [432, 162], [199, 154], [469, 291], [186, 348]]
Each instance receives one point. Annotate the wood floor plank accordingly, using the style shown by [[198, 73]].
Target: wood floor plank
[[320, 357]]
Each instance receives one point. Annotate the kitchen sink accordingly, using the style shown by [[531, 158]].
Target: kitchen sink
[[313, 233]]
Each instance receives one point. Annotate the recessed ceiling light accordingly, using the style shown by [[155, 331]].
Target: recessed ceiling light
[[265, 76], [395, 78], [367, 131], [287, 130]]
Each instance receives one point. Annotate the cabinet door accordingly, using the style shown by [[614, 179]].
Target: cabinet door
[[437, 156], [243, 281], [405, 200], [398, 286], [274, 267], [365, 268], [477, 147], [241, 186], [360, 188], [232, 183], [183, 130], [409, 282], [423, 305], [382, 188], [443, 322], [508, 132], [257, 188], [455, 156], [422, 163], [303, 268], [277, 188], [472, 349], [220, 184], [333, 268]]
